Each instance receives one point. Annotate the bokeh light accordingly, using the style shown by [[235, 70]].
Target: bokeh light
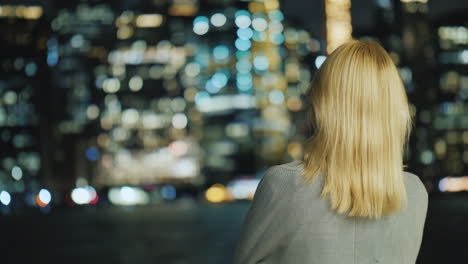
[[5, 198], [201, 25], [218, 19], [43, 198], [216, 193], [242, 19]]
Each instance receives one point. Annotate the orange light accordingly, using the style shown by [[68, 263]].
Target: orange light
[[453, 184], [39, 202], [338, 23], [149, 20], [216, 193]]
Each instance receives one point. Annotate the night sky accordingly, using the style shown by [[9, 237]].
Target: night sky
[[310, 12]]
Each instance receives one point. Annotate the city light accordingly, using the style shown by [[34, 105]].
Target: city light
[[276, 15], [5, 198], [43, 198], [10, 98], [221, 53], [151, 120], [192, 69], [237, 130], [124, 32], [453, 184], [243, 66], [222, 103], [319, 61], [275, 26], [276, 97], [84, 195], [179, 120], [259, 24], [127, 195], [111, 85], [243, 188], [178, 104], [201, 25], [81, 196], [277, 38], [219, 80], [92, 154], [261, 63], [459, 35], [21, 11], [244, 82], [245, 33], [178, 148], [161, 53], [427, 157], [294, 103], [130, 118], [243, 44], [149, 20], [92, 112], [17, 173], [135, 83], [338, 23], [218, 19], [185, 168], [259, 36], [183, 8], [93, 194], [168, 192], [464, 56], [271, 4], [242, 19], [216, 193], [77, 41], [30, 69]]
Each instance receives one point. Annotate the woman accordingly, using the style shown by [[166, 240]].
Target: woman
[[349, 200]]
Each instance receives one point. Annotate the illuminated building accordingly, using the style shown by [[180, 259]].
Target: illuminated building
[[449, 116], [21, 100], [189, 94], [80, 40], [248, 77], [438, 70], [167, 92], [145, 122], [418, 55], [338, 23]]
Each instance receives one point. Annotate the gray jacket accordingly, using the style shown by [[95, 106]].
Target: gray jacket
[[289, 223]]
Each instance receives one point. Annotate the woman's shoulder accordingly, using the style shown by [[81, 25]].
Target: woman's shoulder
[[283, 172], [286, 177], [414, 185]]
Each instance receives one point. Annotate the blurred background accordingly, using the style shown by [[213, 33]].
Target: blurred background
[[136, 131]]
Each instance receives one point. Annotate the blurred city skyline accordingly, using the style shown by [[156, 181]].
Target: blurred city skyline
[[135, 131], [193, 95]]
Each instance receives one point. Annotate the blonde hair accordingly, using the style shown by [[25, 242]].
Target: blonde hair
[[361, 120]]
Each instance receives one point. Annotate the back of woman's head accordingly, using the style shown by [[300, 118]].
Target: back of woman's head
[[361, 120]]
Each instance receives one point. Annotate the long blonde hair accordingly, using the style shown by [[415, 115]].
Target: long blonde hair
[[361, 120]]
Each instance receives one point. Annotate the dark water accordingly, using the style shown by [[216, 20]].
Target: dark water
[[180, 233], [446, 231], [170, 233]]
